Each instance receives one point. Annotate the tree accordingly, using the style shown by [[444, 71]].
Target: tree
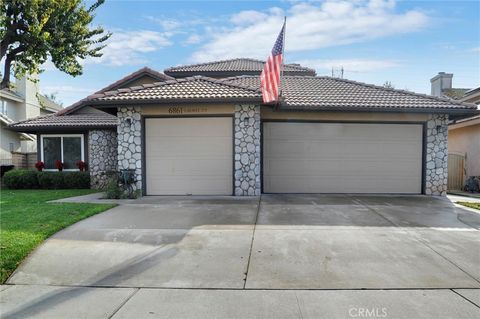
[[388, 85], [31, 31]]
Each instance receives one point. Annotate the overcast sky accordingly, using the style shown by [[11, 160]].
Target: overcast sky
[[404, 42]]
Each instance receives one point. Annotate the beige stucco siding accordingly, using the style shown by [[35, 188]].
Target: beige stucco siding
[[466, 140], [187, 110], [269, 114]]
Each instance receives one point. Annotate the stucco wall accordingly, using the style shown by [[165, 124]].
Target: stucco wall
[[102, 156], [466, 140]]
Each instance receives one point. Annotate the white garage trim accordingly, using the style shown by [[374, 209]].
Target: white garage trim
[[188, 155], [371, 154]]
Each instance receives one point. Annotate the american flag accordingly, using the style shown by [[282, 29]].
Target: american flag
[[270, 77]]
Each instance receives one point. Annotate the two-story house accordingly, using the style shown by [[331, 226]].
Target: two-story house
[[23, 101]]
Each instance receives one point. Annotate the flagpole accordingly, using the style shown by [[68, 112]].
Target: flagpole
[[283, 58]]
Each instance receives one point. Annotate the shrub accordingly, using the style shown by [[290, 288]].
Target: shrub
[[51, 180], [76, 179], [46, 180], [21, 178], [113, 190]]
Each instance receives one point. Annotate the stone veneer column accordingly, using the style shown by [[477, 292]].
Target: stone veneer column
[[247, 150], [102, 156], [437, 155], [129, 150]]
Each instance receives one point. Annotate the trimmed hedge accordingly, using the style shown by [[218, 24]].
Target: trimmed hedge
[[27, 179]]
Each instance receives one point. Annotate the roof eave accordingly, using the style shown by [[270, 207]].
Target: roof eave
[[58, 128], [453, 111], [101, 104]]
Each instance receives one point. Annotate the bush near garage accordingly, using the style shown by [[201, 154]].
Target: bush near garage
[[28, 179]]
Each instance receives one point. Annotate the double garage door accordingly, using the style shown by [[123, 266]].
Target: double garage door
[[342, 158], [195, 156]]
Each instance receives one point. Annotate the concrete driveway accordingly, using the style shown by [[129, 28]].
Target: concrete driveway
[[279, 256]]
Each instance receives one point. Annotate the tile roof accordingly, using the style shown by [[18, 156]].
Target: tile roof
[[454, 93], [78, 120], [327, 93], [233, 67], [145, 71], [197, 88]]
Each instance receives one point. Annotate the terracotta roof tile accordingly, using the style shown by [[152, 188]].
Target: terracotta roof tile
[[327, 93], [78, 120], [233, 67]]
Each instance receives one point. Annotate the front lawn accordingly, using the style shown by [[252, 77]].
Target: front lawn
[[26, 220], [471, 205]]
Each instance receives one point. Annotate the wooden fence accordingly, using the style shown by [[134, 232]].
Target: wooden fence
[[456, 171]]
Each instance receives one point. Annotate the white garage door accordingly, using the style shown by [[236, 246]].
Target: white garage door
[[188, 156], [342, 158]]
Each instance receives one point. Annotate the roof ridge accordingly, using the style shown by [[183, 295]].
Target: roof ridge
[[295, 65], [207, 63]]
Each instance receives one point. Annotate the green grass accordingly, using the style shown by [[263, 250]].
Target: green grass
[[471, 205], [26, 220]]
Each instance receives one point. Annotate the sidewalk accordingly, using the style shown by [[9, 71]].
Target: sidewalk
[[86, 302]]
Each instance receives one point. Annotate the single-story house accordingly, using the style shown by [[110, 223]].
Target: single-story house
[[203, 130]]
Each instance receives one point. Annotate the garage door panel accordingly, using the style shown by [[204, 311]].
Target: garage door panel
[[193, 147], [188, 156], [335, 149], [174, 186], [330, 167], [190, 127], [342, 157], [197, 167]]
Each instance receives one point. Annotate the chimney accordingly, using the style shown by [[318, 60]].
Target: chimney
[[441, 82]]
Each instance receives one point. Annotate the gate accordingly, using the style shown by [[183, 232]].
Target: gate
[[456, 171]]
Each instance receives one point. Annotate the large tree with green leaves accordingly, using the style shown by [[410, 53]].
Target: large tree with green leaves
[[31, 31]]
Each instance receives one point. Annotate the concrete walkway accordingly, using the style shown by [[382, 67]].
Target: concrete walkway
[[305, 256]]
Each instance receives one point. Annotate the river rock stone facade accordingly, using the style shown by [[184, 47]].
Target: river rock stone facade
[[129, 146], [247, 150], [102, 156], [436, 173]]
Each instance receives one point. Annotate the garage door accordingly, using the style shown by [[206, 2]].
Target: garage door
[[188, 156], [342, 158]]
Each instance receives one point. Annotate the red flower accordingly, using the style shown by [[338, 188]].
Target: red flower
[[39, 166], [81, 165], [59, 165]]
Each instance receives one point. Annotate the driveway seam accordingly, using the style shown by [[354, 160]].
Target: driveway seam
[[123, 303], [420, 240], [456, 292], [414, 237], [251, 244]]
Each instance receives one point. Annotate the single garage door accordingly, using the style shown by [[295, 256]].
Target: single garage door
[[342, 158], [188, 156]]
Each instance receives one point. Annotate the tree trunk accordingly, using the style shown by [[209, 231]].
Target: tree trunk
[[6, 74]]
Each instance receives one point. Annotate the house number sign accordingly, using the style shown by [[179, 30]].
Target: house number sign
[[187, 110]]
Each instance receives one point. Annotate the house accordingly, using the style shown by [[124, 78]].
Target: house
[[463, 134], [20, 103], [204, 131]]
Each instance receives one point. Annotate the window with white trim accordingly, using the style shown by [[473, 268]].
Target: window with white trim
[[67, 148]]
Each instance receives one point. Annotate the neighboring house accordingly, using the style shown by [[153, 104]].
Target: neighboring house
[[199, 135], [20, 103], [464, 134]]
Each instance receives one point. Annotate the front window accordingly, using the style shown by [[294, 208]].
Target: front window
[[66, 148]]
